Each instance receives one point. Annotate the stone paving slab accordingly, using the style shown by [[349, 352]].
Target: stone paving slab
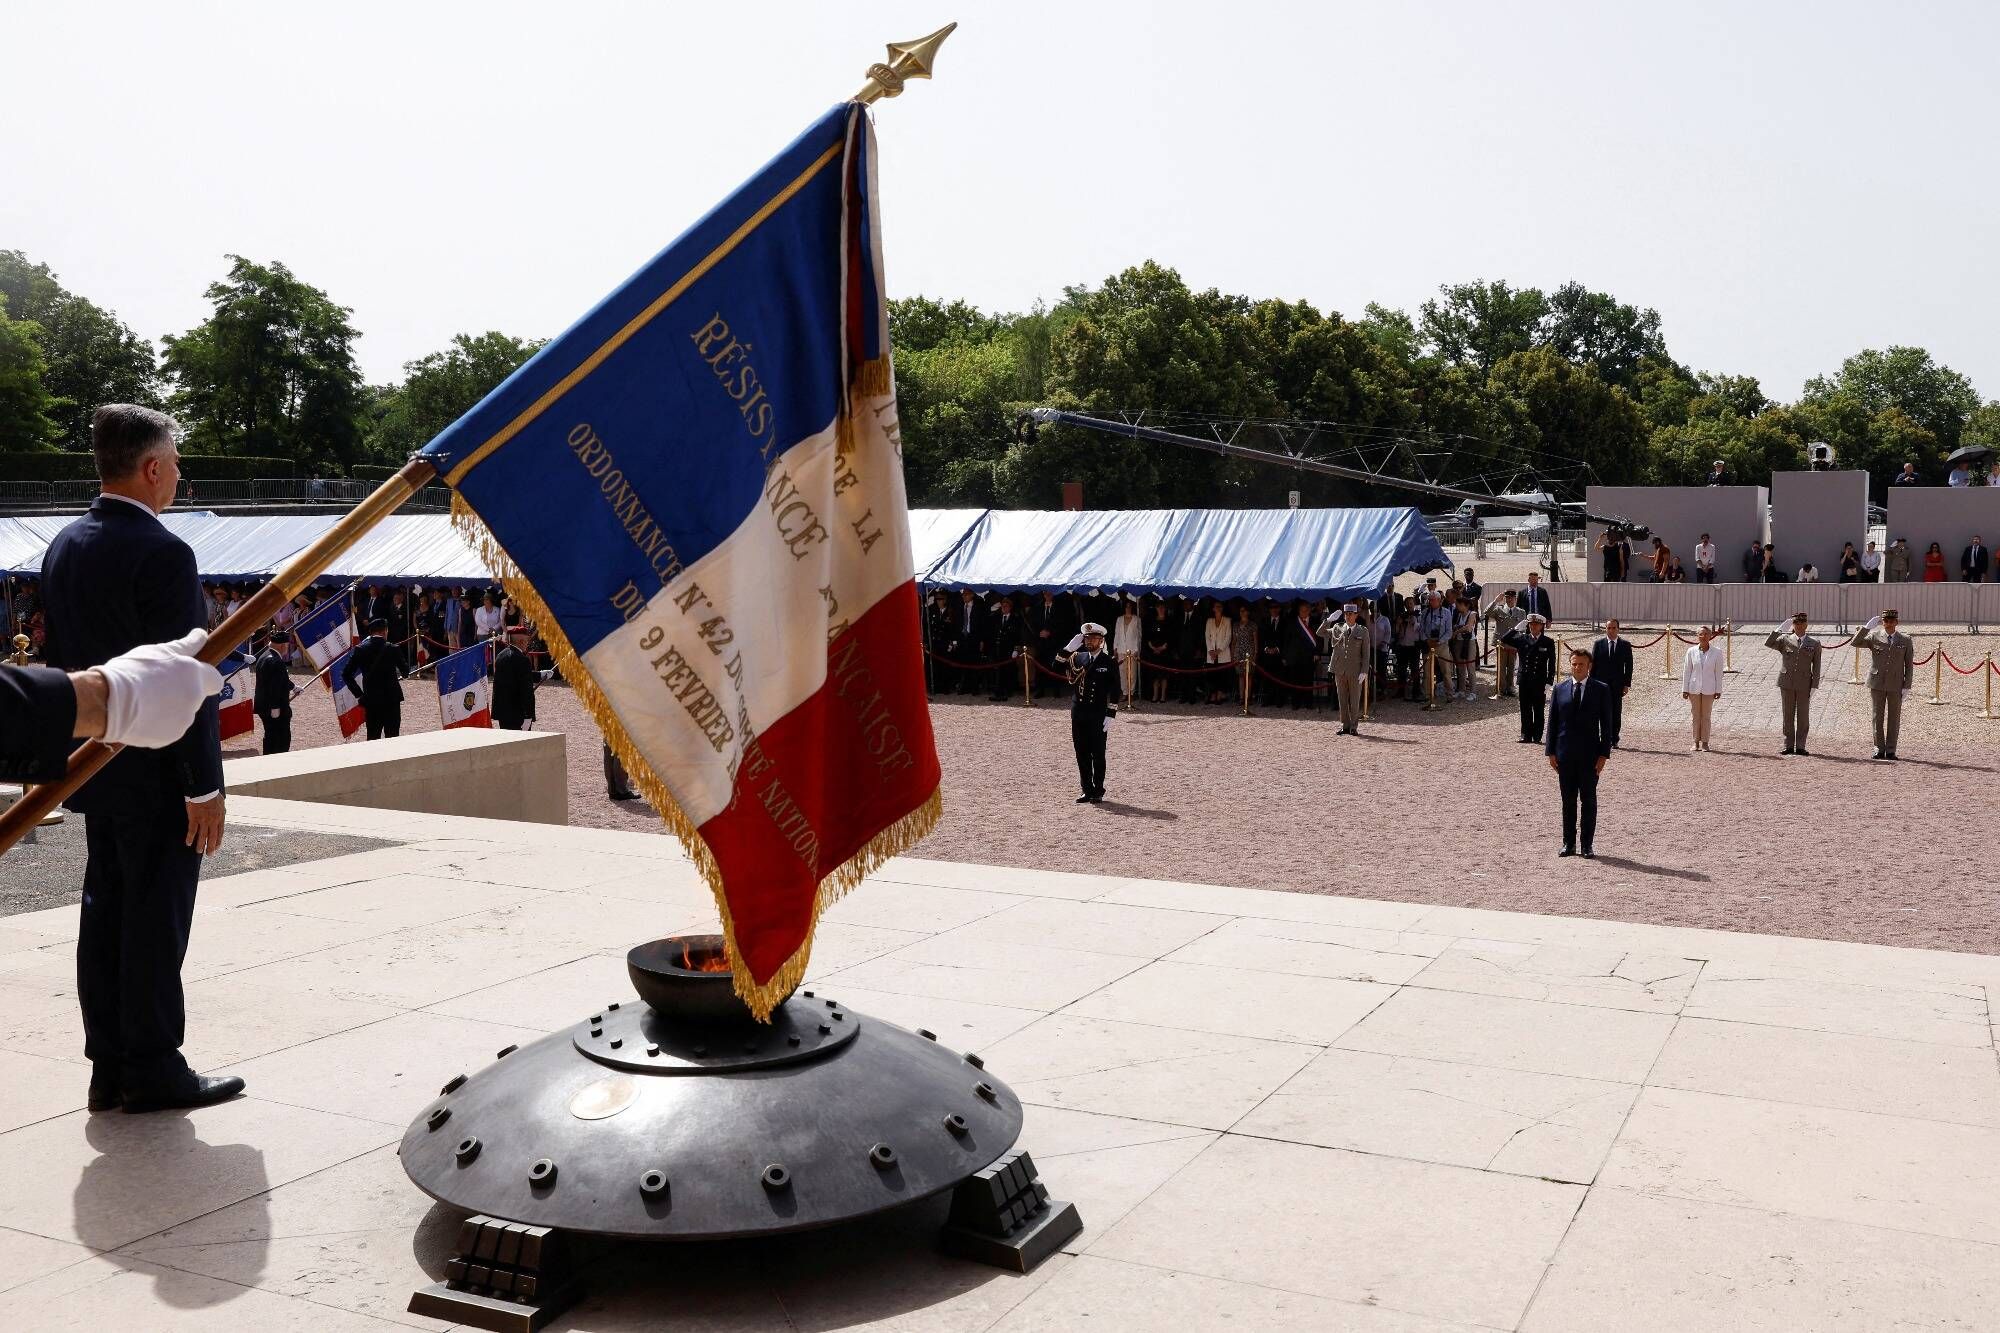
[[1273, 1110]]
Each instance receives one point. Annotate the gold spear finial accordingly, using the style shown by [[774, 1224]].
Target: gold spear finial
[[907, 60]]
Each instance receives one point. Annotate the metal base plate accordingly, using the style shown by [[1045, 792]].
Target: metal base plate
[[439, 1301], [1022, 1251]]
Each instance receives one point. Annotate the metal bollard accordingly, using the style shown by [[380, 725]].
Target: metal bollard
[[1987, 712], [1027, 679], [1246, 687], [1937, 675], [1728, 642], [1667, 654]]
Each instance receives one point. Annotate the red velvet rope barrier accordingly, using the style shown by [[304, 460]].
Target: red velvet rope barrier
[[1963, 671]]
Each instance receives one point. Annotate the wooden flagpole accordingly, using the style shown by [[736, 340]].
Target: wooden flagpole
[[289, 582]]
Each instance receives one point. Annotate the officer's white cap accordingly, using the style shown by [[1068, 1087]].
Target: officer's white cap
[[1538, 619], [1092, 627], [1348, 606]]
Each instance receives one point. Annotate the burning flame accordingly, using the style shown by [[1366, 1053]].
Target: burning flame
[[707, 960]]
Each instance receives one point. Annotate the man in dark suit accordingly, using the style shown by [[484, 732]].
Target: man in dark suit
[[1975, 560], [1271, 654], [968, 639], [1006, 637], [112, 580], [1534, 598], [937, 623], [514, 680], [377, 667], [1535, 652], [1611, 662], [1050, 625], [400, 628], [1191, 650], [274, 693], [1579, 744], [1301, 645], [147, 697]]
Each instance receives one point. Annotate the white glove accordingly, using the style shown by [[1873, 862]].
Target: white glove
[[1075, 642], [1874, 622], [153, 692]]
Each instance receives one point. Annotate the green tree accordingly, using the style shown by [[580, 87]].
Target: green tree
[[918, 323], [954, 402], [1549, 403], [1598, 330], [271, 371], [25, 402], [1885, 408], [1480, 324], [93, 358], [440, 388]]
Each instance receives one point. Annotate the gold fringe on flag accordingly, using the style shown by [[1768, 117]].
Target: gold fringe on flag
[[874, 378], [899, 837]]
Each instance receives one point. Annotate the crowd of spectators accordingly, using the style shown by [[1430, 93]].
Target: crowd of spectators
[[1760, 563], [1219, 651]]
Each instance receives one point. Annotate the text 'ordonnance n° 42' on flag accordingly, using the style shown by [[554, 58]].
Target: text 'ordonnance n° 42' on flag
[[697, 494], [465, 689]]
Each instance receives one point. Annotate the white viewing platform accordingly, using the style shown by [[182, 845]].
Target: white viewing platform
[[1273, 1110]]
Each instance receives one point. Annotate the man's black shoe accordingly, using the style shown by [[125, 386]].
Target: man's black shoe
[[1890, 755], [192, 1090], [624, 795], [1588, 854], [1083, 798], [1567, 851], [1880, 754], [104, 1094], [1802, 750], [1095, 797], [1788, 750]]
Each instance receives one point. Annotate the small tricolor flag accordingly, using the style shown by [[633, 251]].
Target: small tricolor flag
[[325, 632], [696, 493], [347, 709], [236, 708], [465, 688]]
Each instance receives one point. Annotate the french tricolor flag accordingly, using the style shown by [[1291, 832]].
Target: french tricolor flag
[[465, 688], [236, 705], [325, 632], [347, 709], [696, 493]]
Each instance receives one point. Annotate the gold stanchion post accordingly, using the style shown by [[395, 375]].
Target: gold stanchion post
[[1987, 712], [1728, 643], [1854, 671], [1937, 675], [1027, 678], [1430, 677], [1667, 654], [1246, 687]]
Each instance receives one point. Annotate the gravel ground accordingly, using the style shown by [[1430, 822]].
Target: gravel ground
[[1446, 807]]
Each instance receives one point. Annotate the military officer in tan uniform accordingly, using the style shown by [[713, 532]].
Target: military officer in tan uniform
[[1506, 614], [1892, 664], [1798, 677], [1347, 642]]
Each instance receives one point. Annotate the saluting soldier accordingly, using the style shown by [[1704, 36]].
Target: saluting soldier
[[1798, 677], [1506, 616], [1347, 641], [273, 696], [1892, 663], [1093, 675], [1537, 652]]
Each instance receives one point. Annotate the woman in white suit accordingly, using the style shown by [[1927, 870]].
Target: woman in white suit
[[1126, 637], [1701, 682], [1215, 636]]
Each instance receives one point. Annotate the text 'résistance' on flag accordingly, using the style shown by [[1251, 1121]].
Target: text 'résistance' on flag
[[465, 688], [347, 709], [697, 494]]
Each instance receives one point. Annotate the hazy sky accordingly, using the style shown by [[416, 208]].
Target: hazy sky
[[1785, 183]]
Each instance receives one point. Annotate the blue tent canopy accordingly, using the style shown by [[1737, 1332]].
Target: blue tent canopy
[[1282, 553], [1193, 552]]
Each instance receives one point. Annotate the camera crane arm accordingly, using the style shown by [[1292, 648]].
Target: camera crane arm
[[1053, 416]]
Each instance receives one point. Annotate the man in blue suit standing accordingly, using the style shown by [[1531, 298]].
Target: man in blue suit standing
[[1579, 743], [115, 579]]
